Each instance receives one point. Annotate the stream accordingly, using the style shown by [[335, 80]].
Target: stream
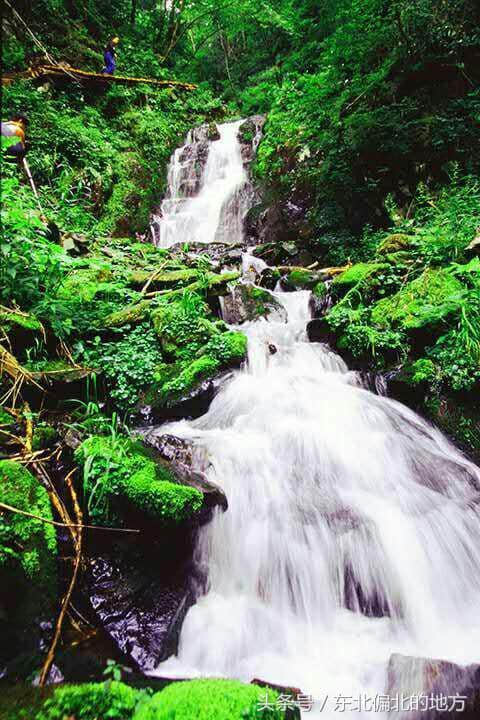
[[353, 525]]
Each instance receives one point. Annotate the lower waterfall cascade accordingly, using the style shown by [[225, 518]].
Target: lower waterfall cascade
[[353, 525]]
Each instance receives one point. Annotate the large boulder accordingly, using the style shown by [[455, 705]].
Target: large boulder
[[432, 689], [248, 302], [422, 306], [189, 465], [360, 273]]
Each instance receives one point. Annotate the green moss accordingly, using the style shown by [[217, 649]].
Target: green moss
[[120, 476], [89, 283], [27, 545], [195, 343], [364, 342], [320, 290], [207, 699], [44, 435], [10, 320], [193, 374], [184, 326], [5, 418], [131, 314], [427, 300], [92, 701], [354, 275], [394, 243], [300, 278], [229, 348], [173, 278], [217, 283], [57, 370]]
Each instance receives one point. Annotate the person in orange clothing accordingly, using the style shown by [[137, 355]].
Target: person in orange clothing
[[13, 137]]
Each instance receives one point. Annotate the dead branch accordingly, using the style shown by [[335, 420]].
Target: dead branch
[[66, 600], [10, 508]]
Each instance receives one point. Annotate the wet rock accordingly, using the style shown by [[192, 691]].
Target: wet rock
[[140, 593], [434, 682], [248, 302], [213, 132], [318, 330], [194, 158], [300, 279], [190, 405], [189, 466], [320, 300], [249, 135], [269, 278], [370, 602]]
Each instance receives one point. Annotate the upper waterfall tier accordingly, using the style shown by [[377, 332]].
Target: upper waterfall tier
[[209, 191]]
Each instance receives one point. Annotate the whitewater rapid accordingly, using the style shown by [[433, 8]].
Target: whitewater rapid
[[352, 529]]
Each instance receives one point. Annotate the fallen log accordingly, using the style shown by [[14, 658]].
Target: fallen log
[[52, 72], [321, 271]]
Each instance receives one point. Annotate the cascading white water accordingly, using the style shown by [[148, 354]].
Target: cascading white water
[[190, 214], [352, 530]]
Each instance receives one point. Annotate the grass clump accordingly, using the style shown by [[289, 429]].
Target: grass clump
[[120, 477]]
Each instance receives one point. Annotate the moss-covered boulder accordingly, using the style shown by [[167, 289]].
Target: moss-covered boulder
[[86, 284], [423, 303], [205, 699], [396, 242], [28, 549], [121, 479], [196, 347], [184, 326], [20, 328], [300, 279], [247, 302], [360, 273], [187, 386], [162, 280]]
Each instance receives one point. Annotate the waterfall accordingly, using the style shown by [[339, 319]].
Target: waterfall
[[352, 530], [208, 191]]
